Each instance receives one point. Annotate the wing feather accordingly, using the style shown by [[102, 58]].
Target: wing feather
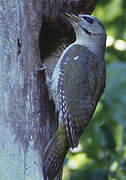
[[77, 84]]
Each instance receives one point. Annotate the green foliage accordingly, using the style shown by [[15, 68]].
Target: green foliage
[[101, 154]]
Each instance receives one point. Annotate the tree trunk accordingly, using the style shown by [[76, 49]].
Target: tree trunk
[[26, 116]]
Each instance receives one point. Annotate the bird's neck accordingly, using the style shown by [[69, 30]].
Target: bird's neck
[[92, 45], [85, 40]]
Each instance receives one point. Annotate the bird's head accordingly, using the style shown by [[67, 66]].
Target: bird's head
[[89, 30]]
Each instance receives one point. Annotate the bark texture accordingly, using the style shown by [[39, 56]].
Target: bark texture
[[29, 32]]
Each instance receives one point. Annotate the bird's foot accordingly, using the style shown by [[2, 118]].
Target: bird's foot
[[43, 68], [48, 80]]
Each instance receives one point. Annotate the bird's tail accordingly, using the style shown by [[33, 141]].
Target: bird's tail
[[55, 153]]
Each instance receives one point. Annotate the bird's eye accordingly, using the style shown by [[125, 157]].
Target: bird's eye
[[88, 19]]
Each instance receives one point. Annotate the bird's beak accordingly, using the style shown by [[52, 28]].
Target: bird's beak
[[72, 17]]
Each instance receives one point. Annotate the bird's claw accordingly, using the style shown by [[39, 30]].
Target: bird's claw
[[43, 67]]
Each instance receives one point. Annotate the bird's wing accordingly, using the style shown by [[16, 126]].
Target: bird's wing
[[77, 84]]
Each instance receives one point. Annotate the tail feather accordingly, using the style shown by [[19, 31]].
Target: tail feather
[[54, 155], [72, 133]]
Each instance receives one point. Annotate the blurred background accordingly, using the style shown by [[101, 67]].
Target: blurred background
[[101, 154]]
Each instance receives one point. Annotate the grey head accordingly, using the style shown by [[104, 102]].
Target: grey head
[[91, 25], [88, 29]]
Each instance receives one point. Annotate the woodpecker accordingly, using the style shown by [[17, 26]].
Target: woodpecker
[[76, 86]]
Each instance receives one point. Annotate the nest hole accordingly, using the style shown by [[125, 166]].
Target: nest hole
[[53, 35]]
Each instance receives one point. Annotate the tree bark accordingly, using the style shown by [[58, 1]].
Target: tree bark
[[26, 122]]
